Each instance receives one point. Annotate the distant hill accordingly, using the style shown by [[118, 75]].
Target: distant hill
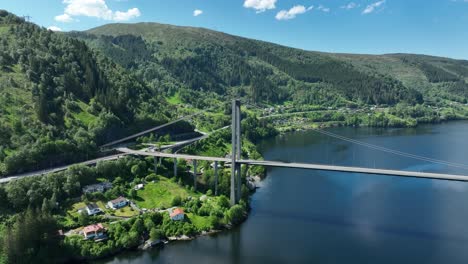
[[197, 59]]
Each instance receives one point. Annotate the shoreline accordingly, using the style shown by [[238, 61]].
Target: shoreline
[[323, 125]]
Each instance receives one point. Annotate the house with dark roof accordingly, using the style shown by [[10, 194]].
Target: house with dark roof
[[98, 187], [93, 209]]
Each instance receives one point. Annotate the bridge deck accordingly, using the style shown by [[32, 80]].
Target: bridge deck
[[413, 174]]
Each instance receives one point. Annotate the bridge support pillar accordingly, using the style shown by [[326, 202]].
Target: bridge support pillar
[[238, 150], [156, 165], [235, 131], [195, 175], [216, 177], [175, 167]]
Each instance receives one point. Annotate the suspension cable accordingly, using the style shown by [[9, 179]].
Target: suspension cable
[[392, 151]]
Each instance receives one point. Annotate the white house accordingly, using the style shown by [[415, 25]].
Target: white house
[[118, 203], [93, 209], [177, 214], [139, 186]]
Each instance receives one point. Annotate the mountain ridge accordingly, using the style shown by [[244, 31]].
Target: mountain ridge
[[96, 29]]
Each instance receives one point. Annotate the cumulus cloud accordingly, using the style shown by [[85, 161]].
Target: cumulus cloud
[[125, 16], [260, 5], [65, 18], [94, 8], [197, 12], [349, 6], [54, 28], [291, 13], [323, 8], [371, 8]]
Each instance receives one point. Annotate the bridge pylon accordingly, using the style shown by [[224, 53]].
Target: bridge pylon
[[236, 152]]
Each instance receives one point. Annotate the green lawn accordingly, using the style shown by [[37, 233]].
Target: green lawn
[[126, 211], [175, 99], [75, 207], [85, 117], [200, 222], [160, 194]]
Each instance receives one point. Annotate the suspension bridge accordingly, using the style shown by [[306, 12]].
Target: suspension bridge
[[236, 161]]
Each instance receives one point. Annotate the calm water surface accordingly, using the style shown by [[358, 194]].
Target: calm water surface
[[301, 216]]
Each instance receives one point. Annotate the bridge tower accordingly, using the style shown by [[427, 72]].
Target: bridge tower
[[236, 152]]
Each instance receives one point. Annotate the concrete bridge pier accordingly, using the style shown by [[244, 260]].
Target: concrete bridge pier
[[195, 175], [156, 165], [175, 167], [216, 177]]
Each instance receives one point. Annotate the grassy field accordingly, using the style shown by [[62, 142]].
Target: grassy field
[[126, 211], [160, 194], [75, 207], [85, 117], [175, 99], [200, 222]]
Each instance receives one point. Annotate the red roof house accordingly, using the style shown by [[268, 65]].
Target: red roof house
[[177, 214]]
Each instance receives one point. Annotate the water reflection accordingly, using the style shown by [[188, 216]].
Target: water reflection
[[301, 216]]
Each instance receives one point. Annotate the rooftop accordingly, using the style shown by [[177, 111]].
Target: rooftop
[[93, 228], [177, 211], [118, 200], [92, 206]]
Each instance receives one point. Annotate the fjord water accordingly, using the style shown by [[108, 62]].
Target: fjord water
[[301, 216]]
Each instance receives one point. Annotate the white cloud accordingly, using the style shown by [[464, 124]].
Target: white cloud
[[349, 6], [54, 28], [197, 12], [323, 8], [310, 8], [371, 8], [291, 13], [260, 5], [125, 16], [94, 8], [65, 18]]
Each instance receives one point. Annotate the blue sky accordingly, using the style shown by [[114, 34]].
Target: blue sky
[[435, 27]]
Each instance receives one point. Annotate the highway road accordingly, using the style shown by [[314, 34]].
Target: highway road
[[57, 169], [399, 173]]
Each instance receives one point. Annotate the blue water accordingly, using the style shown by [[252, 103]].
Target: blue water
[[303, 216]]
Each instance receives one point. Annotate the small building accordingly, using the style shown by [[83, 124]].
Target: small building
[[177, 214], [117, 203], [93, 209], [139, 186], [96, 231], [98, 187]]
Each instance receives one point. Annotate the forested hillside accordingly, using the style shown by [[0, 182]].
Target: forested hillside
[[59, 100], [64, 94], [195, 59]]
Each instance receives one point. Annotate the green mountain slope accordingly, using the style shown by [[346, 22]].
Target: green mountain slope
[[197, 59], [59, 100]]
